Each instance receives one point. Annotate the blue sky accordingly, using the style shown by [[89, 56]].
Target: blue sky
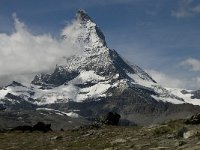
[[161, 36]]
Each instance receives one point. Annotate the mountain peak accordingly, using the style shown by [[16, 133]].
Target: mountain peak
[[81, 15], [88, 35], [98, 57]]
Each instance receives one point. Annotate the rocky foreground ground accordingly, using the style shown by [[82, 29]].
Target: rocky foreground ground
[[173, 135]]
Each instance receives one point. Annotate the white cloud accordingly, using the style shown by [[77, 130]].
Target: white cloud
[[196, 9], [194, 83], [192, 63], [166, 80], [23, 53], [182, 13], [197, 79], [186, 9], [173, 82]]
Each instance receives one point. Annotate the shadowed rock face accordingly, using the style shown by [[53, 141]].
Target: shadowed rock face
[[196, 94], [58, 77], [14, 83]]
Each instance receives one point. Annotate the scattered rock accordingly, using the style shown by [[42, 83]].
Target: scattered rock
[[118, 141], [182, 131], [134, 139], [160, 148], [170, 136], [111, 138], [56, 138], [109, 148], [181, 143], [189, 134], [186, 133], [88, 134], [198, 143]]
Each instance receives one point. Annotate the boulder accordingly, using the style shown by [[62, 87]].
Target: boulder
[[185, 133], [111, 119], [40, 126]]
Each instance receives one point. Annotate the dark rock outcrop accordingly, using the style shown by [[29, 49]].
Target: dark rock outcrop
[[40, 126], [195, 119], [58, 77], [111, 119], [196, 94], [14, 84], [23, 128]]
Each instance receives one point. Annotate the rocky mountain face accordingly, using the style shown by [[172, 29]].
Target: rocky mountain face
[[97, 81]]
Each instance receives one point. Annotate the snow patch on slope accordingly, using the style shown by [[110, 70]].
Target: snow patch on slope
[[62, 113], [163, 94], [137, 79], [94, 86], [63, 93], [72, 91], [86, 76], [73, 115], [187, 97], [3, 92], [98, 90], [15, 90], [167, 99]]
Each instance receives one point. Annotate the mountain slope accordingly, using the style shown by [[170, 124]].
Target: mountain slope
[[94, 73], [98, 73]]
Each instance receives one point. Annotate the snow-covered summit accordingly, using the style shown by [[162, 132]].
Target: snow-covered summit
[[86, 34], [97, 57], [82, 15]]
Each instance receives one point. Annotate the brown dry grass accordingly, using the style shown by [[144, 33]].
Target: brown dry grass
[[107, 137]]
